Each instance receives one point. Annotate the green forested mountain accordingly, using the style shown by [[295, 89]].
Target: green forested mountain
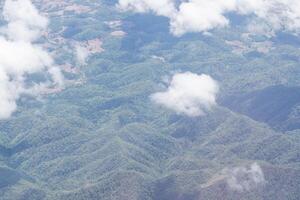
[[102, 137]]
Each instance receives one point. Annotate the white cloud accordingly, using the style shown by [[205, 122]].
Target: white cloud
[[82, 54], [189, 94], [204, 15], [200, 16], [245, 178], [20, 56], [25, 23], [159, 7], [57, 76]]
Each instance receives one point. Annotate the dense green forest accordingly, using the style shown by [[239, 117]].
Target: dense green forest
[[100, 135]]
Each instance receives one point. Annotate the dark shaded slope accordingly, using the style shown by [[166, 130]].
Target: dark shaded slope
[[8, 177], [277, 106]]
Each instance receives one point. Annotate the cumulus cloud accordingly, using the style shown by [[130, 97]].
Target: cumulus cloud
[[189, 94], [200, 16], [204, 15], [20, 56], [25, 23], [245, 178]]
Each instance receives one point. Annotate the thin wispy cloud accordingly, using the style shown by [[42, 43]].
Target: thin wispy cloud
[[82, 54], [245, 178]]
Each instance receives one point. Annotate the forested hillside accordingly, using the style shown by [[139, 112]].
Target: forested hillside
[[102, 119]]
